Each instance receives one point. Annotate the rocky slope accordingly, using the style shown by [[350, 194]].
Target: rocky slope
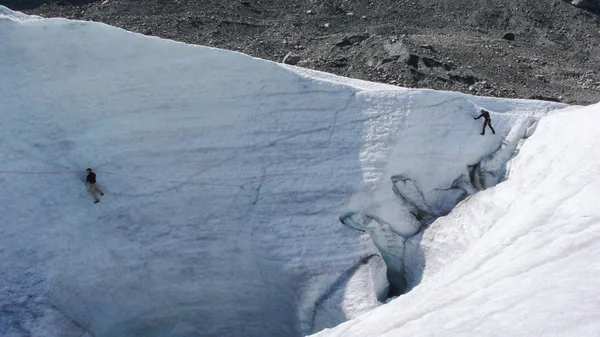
[[546, 49]]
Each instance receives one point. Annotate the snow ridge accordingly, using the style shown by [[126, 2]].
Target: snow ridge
[[513, 259]]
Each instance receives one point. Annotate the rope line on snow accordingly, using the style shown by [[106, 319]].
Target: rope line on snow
[[250, 180], [115, 174], [38, 173], [167, 181]]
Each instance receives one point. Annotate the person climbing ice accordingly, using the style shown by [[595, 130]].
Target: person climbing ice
[[488, 121], [91, 179]]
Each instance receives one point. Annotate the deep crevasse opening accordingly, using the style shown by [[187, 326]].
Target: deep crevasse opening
[[423, 190], [500, 260]]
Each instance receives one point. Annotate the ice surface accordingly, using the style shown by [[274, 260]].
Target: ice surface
[[225, 177]]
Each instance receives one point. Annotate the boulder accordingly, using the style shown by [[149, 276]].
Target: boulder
[[291, 58], [351, 40], [509, 36]]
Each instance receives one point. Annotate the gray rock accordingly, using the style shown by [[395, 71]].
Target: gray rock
[[396, 49], [350, 40], [292, 59], [412, 60], [509, 36], [339, 62], [546, 98]]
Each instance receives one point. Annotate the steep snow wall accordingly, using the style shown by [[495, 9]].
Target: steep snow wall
[[435, 162], [516, 259], [225, 177]]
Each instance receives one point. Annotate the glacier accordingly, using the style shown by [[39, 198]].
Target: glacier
[[250, 198]]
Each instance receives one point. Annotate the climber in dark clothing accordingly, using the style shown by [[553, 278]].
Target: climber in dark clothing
[[91, 179], [488, 121]]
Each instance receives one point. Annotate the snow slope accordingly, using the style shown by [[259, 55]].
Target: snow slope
[[518, 259], [226, 178]]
